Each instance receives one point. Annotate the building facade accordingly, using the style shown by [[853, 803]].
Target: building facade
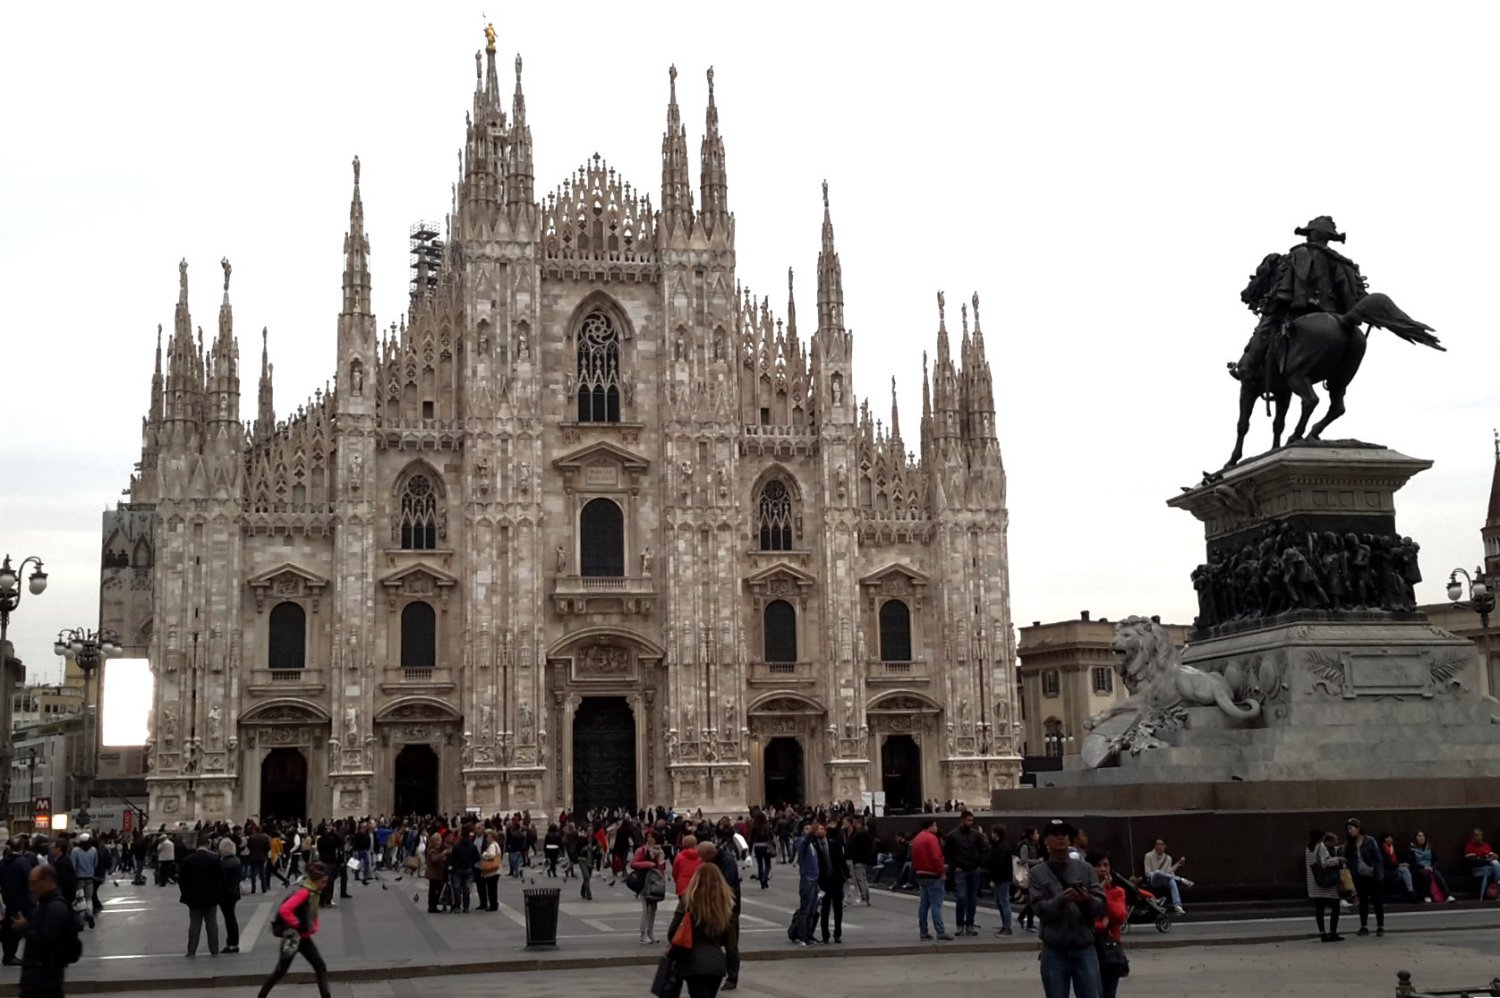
[[1068, 673], [588, 526]]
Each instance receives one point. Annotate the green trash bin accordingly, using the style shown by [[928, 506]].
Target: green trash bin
[[542, 906]]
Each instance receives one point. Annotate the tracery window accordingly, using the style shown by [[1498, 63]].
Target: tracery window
[[774, 518], [598, 370], [419, 515]]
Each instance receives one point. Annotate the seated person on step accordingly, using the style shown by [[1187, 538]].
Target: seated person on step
[[1429, 882], [1481, 857], [1398, 882], [1161, 874]]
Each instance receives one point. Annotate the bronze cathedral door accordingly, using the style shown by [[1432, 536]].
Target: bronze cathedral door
[[603, 755]]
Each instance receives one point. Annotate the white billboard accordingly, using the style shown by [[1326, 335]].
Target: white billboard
[[125, 693]]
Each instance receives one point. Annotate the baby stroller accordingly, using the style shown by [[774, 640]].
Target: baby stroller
[[1143, 906]]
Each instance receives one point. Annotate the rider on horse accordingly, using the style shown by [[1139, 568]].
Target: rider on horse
[[1310, 277]]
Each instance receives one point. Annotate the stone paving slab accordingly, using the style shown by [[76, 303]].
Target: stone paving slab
[[1364, 968], [386, 934]]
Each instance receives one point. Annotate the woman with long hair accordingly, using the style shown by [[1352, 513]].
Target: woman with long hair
[[1426, 874], [709, 903], [1321, 856], [652, 864]]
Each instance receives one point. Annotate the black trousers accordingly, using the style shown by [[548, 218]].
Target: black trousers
[[310, 952], [1369, 893], [489, 893], [1332, 907], [434, 892], [834, 899], [231, 923]]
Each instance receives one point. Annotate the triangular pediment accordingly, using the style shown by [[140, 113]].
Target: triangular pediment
[[414, 576], [286, 582], [897, 572], [287, 571], [781, 571], [602, 453]]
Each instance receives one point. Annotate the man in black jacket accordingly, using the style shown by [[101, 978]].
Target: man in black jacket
[[461, 863], [66, 879], [861, 850], [16, 894], [963, 848], [200, 878], [331, 855], [833, 874], [49, 934]]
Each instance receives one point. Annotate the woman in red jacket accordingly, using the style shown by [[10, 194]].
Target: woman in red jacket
[[1112, 962], [296, 923]]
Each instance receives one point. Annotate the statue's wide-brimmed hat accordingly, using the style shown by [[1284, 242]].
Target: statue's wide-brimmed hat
[[1324, 225]]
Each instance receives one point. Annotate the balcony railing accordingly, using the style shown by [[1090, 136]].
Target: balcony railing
[[901, 670], [604, 594], [781, 672], [417, 674], [287, 675]]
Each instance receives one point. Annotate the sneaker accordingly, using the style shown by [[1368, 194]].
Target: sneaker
[[1184, 882], [1452, 899], [730, 985], [1363, 931], [1427, 900], [1178, 909], [945, 937]]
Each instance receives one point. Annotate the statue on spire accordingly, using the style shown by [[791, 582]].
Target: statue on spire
[[227, 270], [356, 171], [942, 308], [489, 38]]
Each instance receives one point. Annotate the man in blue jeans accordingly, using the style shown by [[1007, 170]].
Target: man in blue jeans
[[1068, 899], [927, 864], [964, 850], [806, 853]]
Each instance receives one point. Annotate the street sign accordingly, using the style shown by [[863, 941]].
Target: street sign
[[41, 814]]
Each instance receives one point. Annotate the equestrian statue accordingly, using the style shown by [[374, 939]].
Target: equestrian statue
[[1312, 301]]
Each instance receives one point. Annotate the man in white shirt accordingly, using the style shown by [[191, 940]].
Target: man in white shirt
[[1161, 874]]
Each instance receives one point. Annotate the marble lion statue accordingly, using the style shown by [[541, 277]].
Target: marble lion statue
[[1160, 686]]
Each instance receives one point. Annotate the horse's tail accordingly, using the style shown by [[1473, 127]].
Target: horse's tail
[[1378, 310]]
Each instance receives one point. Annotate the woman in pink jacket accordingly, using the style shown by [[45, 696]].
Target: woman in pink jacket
[[296, 923]]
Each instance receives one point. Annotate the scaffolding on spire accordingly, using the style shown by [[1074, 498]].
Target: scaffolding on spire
[[426, 258]]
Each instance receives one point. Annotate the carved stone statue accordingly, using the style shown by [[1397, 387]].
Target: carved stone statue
[[215, 724], [168, 726], [562, 559], [646, 557], [351, 724], [1160, 688]]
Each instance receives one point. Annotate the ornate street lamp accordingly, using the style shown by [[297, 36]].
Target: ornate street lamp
[[88, 649], [10, 598], [1481, 600]]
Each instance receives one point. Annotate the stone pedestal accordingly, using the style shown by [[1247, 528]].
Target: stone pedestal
[[1307, 609]]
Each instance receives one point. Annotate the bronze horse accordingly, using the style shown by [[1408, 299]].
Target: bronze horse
[[1319, 346]]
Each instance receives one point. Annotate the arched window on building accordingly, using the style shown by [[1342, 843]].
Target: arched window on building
[[418, 636], [287, 640], [598, 370], [773, 519], [419, 515], [895, 631], [601, 536], [780, 631]]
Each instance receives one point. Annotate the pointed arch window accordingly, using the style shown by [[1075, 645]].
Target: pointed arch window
[[419, 515], [598, 370], [780, 631], [774, 517], [895, 631], [287, 644]]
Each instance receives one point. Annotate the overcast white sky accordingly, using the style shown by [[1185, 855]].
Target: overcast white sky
[[1106, 176]]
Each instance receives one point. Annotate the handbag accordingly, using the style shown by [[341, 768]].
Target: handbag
[[1020, 874], [1324, 876], [668, 980], [681, 944], [1346, 881], [489, 864], [1112, 957], [656, 886], [635, 880]]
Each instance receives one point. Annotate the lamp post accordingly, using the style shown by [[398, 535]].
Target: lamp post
[[1481, 600], [88, 649], [10, 674]]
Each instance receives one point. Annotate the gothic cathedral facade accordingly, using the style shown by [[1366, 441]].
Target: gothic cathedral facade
[[590, 526]]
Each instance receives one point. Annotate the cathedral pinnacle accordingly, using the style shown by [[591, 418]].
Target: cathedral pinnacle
[[830, 276], [676, 195], [713, 175]]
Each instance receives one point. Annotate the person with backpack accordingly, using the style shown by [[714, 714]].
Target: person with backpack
[[52, 937], [296, 923]]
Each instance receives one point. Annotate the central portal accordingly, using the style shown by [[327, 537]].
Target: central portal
[[783, 767], [416, 780], [283, 784], [603, 755]]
